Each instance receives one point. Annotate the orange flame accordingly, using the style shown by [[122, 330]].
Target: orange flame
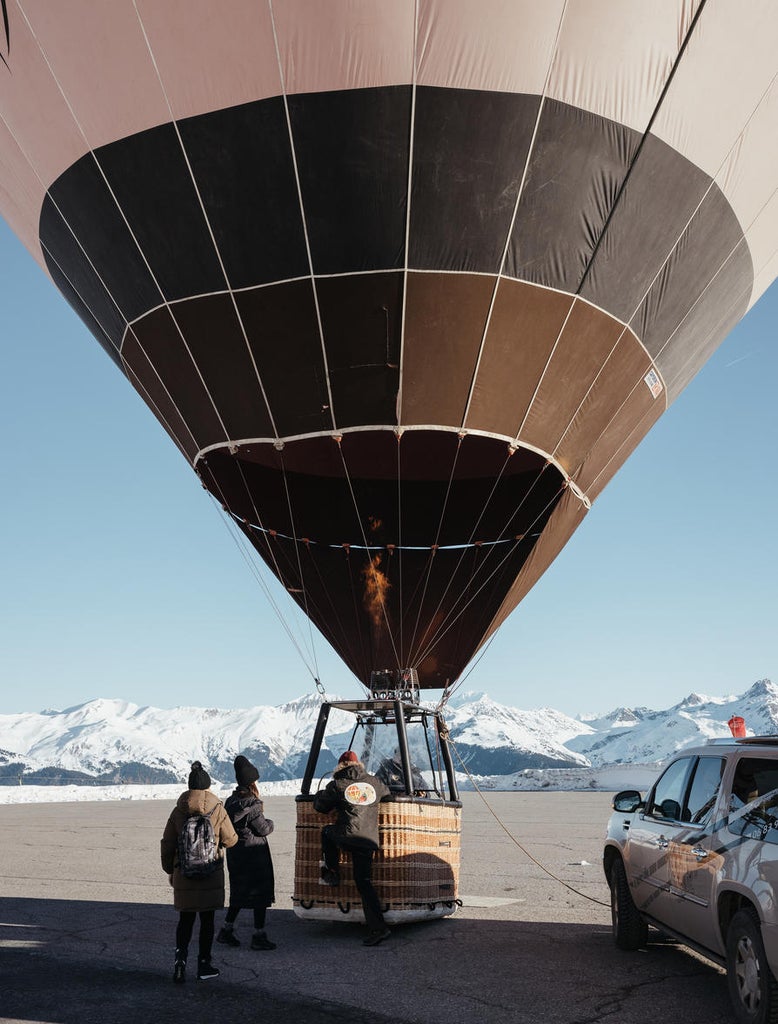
[[376, 586]]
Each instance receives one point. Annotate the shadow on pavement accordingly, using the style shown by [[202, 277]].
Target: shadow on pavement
[[78, 962]]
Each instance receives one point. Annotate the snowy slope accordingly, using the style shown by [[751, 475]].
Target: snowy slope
[[643, 736], [113, 741]]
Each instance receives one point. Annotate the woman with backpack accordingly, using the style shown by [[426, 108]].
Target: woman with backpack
[[252, 884], [191, 848]]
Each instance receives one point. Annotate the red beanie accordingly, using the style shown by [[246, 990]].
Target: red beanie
[[349, 757]]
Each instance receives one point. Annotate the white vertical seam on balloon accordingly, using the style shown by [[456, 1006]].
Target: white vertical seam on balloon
[[628, 323], [302, 211], [400, 360], [743, 239], [734, 249], [174, 122], [739, 297], [509, 233], [593, 256], [127, 369], [409, 185]]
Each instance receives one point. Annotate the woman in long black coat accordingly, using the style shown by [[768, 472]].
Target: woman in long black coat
[[250, 866]]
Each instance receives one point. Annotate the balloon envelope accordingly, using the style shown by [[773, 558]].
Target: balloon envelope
[[406, 283]]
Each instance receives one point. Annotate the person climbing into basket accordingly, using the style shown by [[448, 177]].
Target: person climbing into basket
[[355, 796]]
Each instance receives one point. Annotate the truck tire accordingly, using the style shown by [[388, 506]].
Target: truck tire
[[752, 986], [630, 931]]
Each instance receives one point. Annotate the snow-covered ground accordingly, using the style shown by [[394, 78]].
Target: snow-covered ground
[[609, 780]]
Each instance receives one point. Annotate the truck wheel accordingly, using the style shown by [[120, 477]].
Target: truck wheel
[[630, 931], [752, 987]]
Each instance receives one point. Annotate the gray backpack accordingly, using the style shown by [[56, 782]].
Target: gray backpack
[[197, 847]]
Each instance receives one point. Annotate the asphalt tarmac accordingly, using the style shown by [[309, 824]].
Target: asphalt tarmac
[[87, 932]]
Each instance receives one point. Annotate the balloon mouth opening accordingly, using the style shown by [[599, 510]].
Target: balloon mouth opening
[[374, 491], [401, 551]]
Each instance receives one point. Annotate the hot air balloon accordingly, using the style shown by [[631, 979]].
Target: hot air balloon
[[406, 283]]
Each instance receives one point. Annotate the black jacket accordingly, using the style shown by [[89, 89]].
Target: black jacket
[[252, 882], [355, 796]]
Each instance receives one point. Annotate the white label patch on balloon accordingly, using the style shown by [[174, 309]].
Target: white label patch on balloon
[[653, 383]]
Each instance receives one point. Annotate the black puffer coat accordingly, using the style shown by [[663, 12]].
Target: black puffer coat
[[355, 795], [252, 883]]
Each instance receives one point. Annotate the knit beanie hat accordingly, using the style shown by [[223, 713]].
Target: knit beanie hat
[[199, 777], [245, 771], [346, 758]]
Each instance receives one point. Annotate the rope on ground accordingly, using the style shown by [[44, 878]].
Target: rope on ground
[[515, 841]]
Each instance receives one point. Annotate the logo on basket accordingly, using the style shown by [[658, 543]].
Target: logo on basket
[[360, 793]]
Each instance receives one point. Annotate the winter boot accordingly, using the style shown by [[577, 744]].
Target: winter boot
[[376, 936], [205, 969], [227, 936], [259, 940], [179, 969]]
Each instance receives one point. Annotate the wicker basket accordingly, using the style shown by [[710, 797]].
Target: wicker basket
[[415, 873]]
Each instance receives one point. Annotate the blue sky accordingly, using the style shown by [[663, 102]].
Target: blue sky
[[121, 579]]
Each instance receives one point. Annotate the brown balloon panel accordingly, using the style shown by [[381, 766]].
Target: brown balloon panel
[[400, 549]]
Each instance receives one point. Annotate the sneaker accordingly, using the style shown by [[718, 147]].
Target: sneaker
[[206, 970], [179, 971], [227, 937], [259, 940], [373, 938], [329, 877]]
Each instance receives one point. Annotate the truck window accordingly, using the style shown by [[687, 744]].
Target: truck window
[[754, 800], [667, 798], [704, 790]]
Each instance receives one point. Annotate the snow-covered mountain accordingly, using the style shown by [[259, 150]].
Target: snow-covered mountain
[[111, 741]]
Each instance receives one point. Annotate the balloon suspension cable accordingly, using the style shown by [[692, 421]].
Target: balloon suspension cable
[[299, 563], [453, 615], [515, 841], [449, 692], [428, 575], [400, 542], [472, 536], [242, 547], [280, 575]]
